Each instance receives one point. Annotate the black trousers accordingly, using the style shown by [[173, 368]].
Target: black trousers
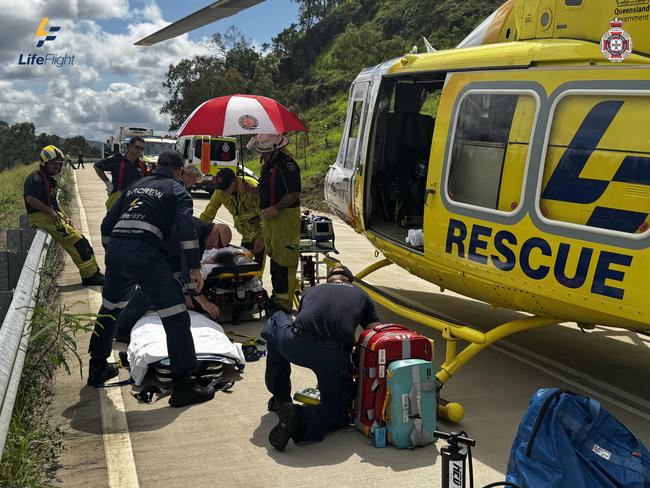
[[132, 262]]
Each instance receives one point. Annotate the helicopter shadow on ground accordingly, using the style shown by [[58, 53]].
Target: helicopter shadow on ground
[[496, 394], [337, 447], [608, 354]]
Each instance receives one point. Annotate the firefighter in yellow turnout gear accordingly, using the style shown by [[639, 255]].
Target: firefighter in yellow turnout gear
[[279, 192], [44, 213], [243, 206]]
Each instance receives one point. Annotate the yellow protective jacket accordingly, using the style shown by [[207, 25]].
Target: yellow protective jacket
[[244, 208]]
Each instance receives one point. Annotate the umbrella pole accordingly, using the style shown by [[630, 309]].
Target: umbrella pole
[[240, 170]]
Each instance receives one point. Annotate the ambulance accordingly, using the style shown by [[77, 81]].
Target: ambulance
[[210, 154]]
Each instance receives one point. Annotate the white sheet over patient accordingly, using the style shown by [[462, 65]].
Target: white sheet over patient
[[149, 342]]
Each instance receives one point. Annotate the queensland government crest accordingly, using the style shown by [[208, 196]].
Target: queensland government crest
[[616, 44]]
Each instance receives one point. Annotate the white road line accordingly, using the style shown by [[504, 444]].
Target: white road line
[[120, 463], [576, 384]]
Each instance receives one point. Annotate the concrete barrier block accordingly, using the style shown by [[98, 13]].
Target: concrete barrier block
[[24, 222], [16, 262], [5, 301], [14, 241], [26, 238], [4, 271]]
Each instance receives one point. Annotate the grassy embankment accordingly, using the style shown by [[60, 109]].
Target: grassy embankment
[[34, 441]]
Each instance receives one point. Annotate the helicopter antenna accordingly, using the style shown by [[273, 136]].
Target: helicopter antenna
[[428, 45]]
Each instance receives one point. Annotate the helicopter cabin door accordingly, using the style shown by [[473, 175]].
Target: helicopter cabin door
[[399, 150], [340, 176]]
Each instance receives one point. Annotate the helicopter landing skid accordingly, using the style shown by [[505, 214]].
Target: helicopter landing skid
[[451, 330]]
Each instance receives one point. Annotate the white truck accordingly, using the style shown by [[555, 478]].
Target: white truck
[[118, 142]]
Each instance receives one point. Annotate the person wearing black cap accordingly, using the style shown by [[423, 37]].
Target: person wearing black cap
[[244, 208], [210, 236], [136, 231], [321, 339]]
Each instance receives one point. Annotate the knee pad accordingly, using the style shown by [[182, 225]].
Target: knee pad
[[84, 249]]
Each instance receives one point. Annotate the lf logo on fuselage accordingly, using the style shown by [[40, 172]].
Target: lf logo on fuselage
[[566, 185]]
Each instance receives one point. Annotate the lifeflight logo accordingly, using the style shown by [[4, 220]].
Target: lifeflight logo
[[53, 59], [41, 32]]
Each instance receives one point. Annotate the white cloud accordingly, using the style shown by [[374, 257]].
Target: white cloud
[[34, 10], [111, 83]]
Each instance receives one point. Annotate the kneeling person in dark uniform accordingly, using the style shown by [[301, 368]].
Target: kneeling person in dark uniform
[[139, 226], [321, 339]]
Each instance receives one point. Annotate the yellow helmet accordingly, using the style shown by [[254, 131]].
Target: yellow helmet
[[48, 153]]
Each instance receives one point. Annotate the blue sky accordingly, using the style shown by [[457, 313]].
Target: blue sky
[[112, 82], [260, 23]]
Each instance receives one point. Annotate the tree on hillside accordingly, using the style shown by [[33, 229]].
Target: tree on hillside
[[193, 81], [17, 144], [45, 139], [311, 11], [74, 145]]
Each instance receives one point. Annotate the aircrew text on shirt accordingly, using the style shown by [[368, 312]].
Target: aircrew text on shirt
[[145, 191]]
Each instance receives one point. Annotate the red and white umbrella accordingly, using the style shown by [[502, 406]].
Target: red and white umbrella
[[240, 114]]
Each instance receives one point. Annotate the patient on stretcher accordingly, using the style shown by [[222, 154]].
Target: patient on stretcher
[[231, 260]]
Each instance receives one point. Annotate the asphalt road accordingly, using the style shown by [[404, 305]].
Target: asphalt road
[[224, 442]]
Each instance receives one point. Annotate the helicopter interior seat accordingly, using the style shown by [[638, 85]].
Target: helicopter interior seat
[[407, 148]]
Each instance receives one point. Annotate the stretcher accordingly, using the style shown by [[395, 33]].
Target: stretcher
[[235, 282], [148, 348]]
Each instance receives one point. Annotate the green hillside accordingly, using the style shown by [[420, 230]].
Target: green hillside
[[310, 66]]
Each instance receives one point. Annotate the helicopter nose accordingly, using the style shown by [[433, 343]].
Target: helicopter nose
[[338, 192]]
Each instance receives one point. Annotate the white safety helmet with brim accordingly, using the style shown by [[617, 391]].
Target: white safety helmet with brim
[[267, 143]]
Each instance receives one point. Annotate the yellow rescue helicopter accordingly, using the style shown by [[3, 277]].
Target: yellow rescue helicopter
[[514, 169]]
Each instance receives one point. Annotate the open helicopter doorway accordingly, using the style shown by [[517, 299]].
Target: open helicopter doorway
[[399, 151]]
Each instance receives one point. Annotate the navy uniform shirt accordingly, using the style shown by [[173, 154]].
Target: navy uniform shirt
[[332, 311], [149, 209], [43, 187], [279, 177], [123, 172]]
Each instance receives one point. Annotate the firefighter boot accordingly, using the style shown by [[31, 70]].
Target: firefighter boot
[[186, 392], [95, 280]]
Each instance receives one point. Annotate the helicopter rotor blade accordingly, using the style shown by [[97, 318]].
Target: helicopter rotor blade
[[213, 12]]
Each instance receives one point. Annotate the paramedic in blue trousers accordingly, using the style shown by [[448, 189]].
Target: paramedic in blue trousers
[[210, 236], [321, 339], [136, 231], [124, 170]]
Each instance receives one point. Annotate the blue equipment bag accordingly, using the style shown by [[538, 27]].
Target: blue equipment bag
[[568, 441], [410, 406]]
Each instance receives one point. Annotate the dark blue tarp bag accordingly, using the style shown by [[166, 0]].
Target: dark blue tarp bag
[[568, 441]]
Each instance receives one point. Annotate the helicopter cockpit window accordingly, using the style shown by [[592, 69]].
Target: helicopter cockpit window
[[399, 152], [353, 135], [491, 139]]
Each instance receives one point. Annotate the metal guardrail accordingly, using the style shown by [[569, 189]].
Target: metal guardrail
[[16, 329]]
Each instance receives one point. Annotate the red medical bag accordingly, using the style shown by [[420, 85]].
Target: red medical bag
[[376, 349]]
